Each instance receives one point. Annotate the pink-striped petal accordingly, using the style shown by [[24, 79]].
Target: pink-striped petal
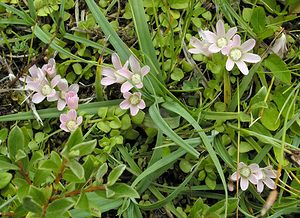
[[142, 104], [125, 104], [79, 120], [106, 81], [72, 114], [63, 118], [269, 182], [116, 61], [244, 183], [260, 186], [235, 176], [134, 64], [242, 67], [210, 36], [229, 64], [248, 45], [231, 33], [126, 87], [64, 127], [63, 85], [61, 104], [38, 98], [134, 110], [251, 58], [145, 70], [74, 88], [236, 41], [220, 28]]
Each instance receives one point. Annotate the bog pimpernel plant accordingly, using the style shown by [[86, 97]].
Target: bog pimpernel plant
[[118, 108]]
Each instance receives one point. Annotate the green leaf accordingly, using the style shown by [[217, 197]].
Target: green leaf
[[115, 123], [122, 190], [76, 168], [101, 171], [258, 20], [278, 68], [85, 148], [115, 174], [5, 179], [177, 74], [31, 205], [269, 118], [178, 4], [3, 134], [104, 126], [15, 142], [211, 183], [139, 118], [245, 147], [75, 138], [58, 207], [4, 165]]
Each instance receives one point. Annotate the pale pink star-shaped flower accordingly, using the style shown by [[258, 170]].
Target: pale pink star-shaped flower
[[116, 74], [63, 90], [238, 54], [246, 173], [220, 39], [133, 101], [37, 75], [279, 46], [200, 46], [134, 78], [49, 68], [45, 90], [267, 175], [70, 121]]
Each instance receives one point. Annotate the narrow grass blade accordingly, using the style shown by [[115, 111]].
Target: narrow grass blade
[[176, 108], [143, 33], [32, 9], [121, 48], [19, 13], [91, 108], [164, 127]]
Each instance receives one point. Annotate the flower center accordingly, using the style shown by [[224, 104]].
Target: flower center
[[46, 90], [245, 172], [134, 100], [71, 125], [63, 95], [221, 42], [235, 54], [136, 79]]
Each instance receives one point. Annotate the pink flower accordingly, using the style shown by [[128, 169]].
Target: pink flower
[[50, 68], [70, 121], [132, 101], [135, 78], [72, 100], [267, 174], [115, 75], [246, 173], [219, 40], [238, 54], [64, 89], [279, 46], [35, 78], [200, 47], [45, 90]]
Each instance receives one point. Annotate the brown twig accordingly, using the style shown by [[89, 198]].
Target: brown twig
[[7, 214], [24, 173]]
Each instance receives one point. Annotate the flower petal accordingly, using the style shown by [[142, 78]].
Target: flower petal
[[243, 67], [220, 28], [269, 182], [210, 36], [63, 85], [72, 114], [106, 81], [248, 45], [142, 104], [145, 70], [244, 183], [252, 178], [235, 176], [134, 110], [63, 118], [260, 186], [213, 48], [74, 88], [134, 65], [124, 104], [55, 80], [38, 98], [106, 71], [127, 95], [61, 104], [231, 33], [116, 61], [236, 41], [251, 58], [126, 87], [79, 120], [63, 127], [229, 64]]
